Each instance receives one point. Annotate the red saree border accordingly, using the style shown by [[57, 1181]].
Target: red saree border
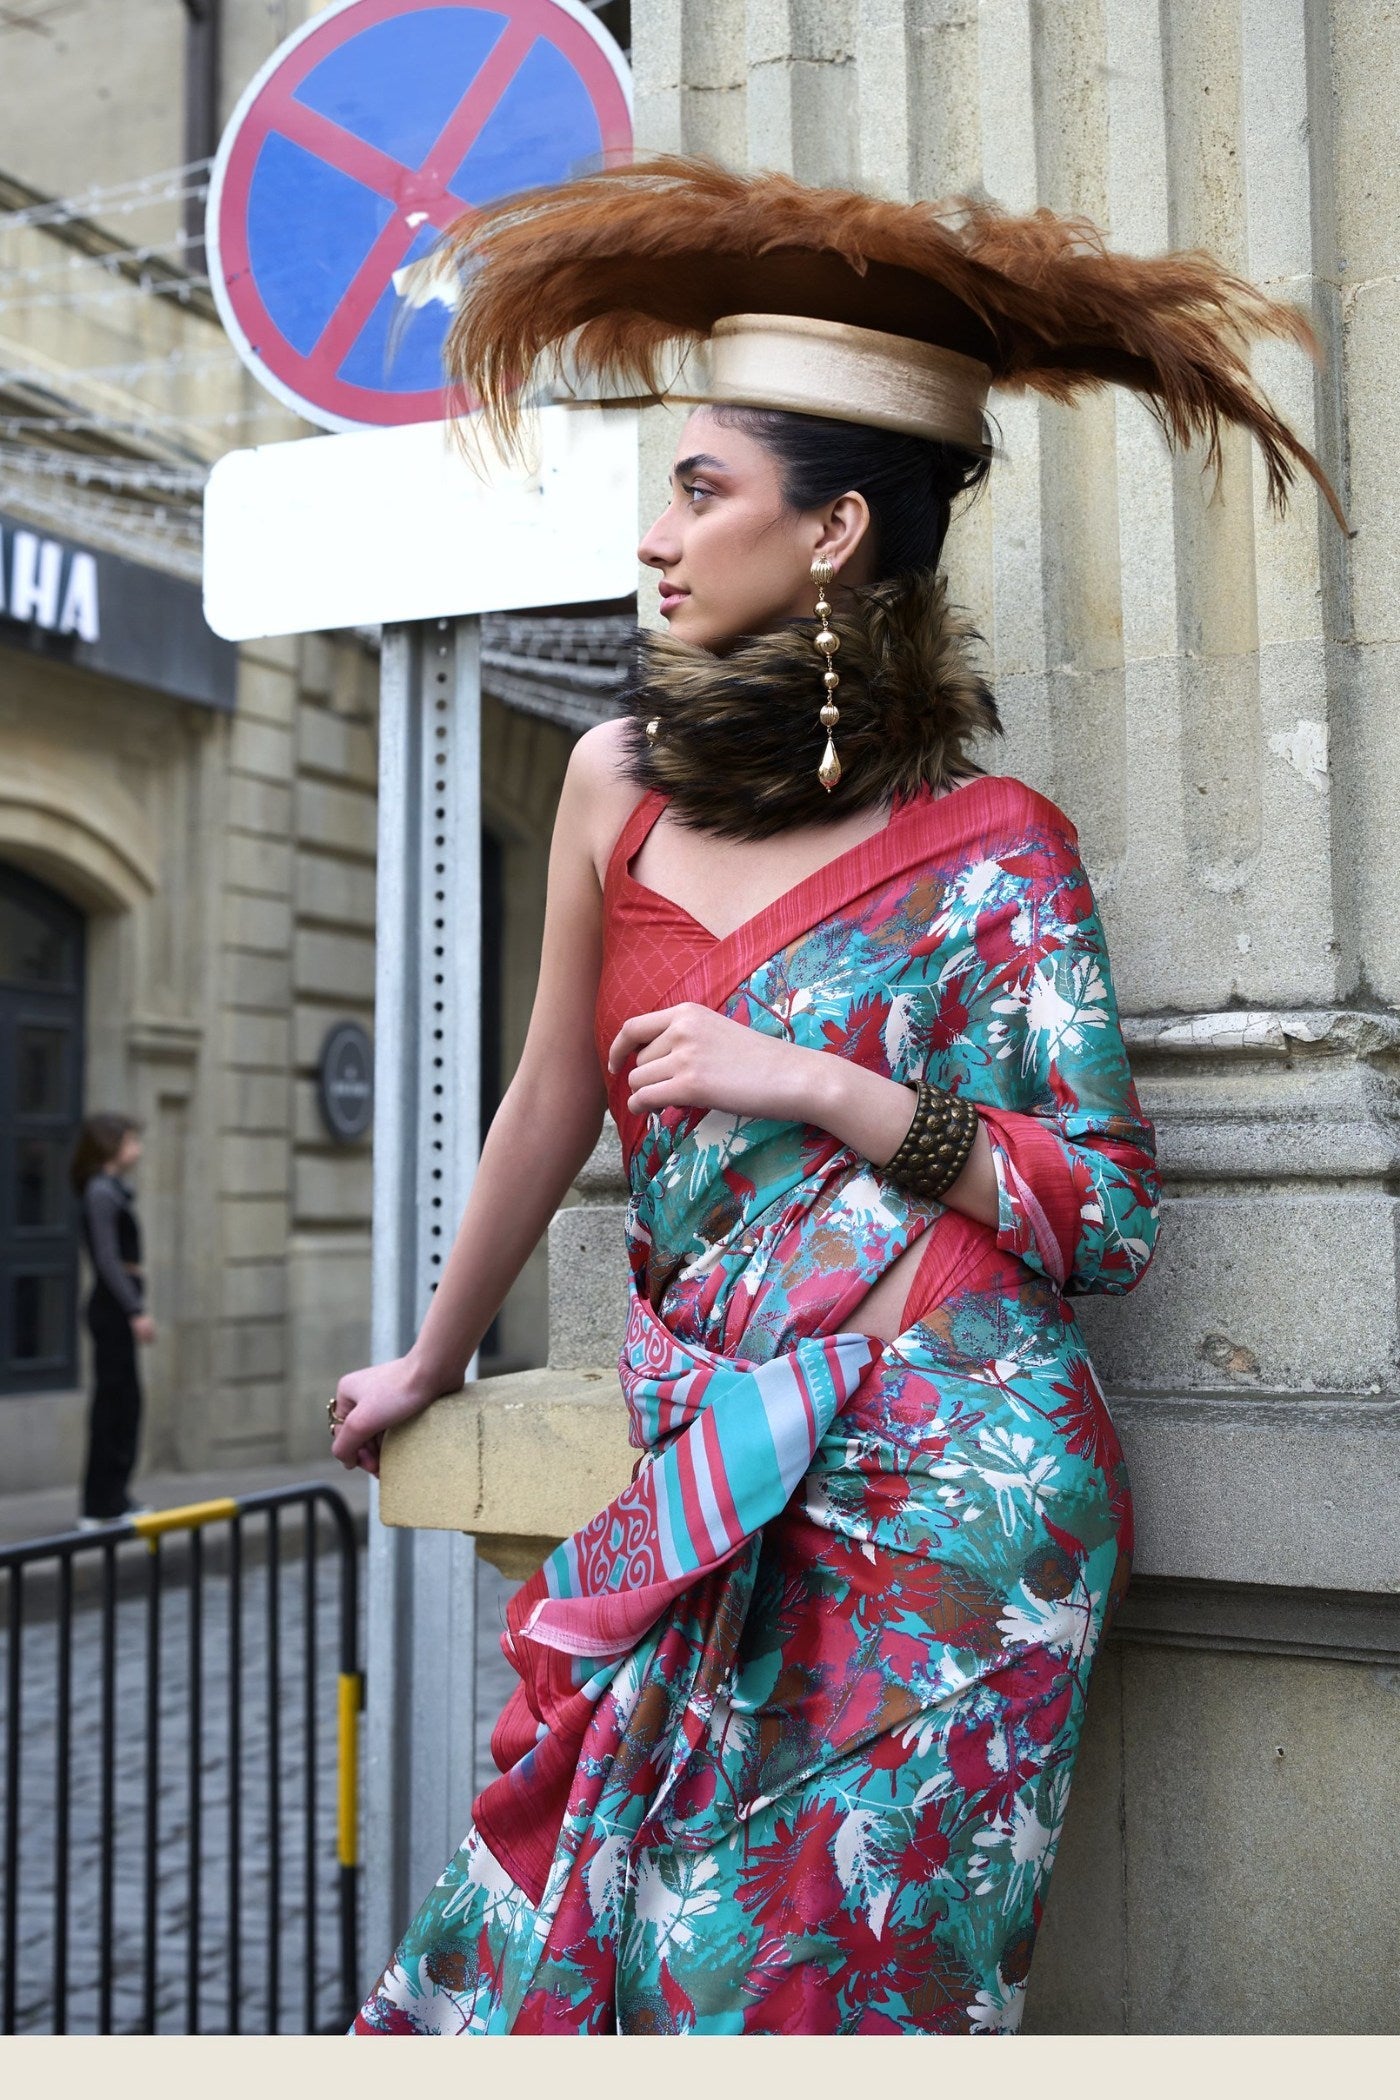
[[917, 828]]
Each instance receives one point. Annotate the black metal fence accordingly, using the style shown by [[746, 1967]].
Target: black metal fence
[[181, 1773]]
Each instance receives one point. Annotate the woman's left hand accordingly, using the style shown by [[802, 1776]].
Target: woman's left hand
[[691, 1057]]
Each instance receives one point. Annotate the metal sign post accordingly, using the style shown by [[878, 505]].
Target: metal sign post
[[420, 1712], [387, 526], [373, 127]]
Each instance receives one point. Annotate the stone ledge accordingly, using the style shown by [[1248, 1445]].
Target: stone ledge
[[529, 1456], [1286, 1491], [1250, 1031], [157, 1039], [1249, 1619]]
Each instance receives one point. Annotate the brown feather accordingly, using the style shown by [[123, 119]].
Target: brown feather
[[622, 267]]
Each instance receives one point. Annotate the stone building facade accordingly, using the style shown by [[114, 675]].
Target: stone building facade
[[1208, 690], [211, 857], [216, 860], [220, 867]]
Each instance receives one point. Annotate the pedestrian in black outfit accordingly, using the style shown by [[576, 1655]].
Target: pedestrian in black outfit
[[107, 1150]]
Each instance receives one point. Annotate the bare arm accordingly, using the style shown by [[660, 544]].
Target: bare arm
[[540, 1136]]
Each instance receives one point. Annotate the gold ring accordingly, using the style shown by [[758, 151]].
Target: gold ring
[[332, 1417]]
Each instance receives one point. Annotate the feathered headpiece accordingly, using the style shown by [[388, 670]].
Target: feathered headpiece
[[843, 305]]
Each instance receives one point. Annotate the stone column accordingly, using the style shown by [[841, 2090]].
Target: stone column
[[1206, 688]]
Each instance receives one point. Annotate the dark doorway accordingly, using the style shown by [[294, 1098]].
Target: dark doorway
[[41, 1092]]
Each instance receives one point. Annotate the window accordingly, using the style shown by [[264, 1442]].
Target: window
[[41, 998]]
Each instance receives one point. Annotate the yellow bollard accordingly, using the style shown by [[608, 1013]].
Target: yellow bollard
[[352, 1698]]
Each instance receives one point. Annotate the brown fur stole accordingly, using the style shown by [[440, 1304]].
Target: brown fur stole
[[738, 740]]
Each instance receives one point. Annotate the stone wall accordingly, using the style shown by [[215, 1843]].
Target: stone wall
[[297, 955], [1208, 690], [106, 795], [226, 868], [523, 761], [226, 864], [121, 74]]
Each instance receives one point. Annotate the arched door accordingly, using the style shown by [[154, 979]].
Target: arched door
[[41, 1079]]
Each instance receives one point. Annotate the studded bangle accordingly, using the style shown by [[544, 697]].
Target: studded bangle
[[937, 1144]]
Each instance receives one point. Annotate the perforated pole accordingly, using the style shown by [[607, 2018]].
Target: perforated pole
[[420, 1688]]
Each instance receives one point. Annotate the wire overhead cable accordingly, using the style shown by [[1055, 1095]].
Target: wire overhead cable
[[77, 462], [176, 362], [83, 467], [114, 259], [177, 288], [113, 200], [136, 427], [117, 451]]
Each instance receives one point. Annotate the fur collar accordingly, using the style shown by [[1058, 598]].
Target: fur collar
[[739, 741]]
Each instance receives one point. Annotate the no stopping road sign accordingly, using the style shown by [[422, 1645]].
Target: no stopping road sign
[[366, 134]]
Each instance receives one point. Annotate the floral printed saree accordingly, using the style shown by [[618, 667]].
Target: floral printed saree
[[798, 1711]]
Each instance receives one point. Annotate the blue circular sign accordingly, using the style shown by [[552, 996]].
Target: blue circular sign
[[370, 131]]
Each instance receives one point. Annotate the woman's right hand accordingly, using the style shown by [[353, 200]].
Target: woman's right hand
[[373, 1400], [143, 1327]]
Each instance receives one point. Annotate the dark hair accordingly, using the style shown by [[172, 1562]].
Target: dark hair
[[909, 482], [97, 1144]]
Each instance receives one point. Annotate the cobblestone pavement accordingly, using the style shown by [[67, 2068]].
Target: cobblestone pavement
[[287, 1916]]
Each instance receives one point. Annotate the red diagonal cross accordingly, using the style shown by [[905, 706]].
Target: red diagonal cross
[[420, 191]]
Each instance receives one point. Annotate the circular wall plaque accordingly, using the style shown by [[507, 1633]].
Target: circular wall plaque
[[345, 1077]]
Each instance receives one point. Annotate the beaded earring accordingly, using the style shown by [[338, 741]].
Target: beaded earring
[[823, 576]]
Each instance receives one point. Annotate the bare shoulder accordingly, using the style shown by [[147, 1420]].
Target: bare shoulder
[[600, 752], [598, 794]]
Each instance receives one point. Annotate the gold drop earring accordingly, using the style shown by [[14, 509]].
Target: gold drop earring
[[823, 576]]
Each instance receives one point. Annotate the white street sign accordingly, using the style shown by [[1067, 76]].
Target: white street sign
[[368, 527]]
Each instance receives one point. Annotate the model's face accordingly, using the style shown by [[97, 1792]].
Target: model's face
[[128, 1154], [732, 557]]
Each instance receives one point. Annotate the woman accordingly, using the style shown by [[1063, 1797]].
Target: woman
[[106, 1154], [798, 1712]]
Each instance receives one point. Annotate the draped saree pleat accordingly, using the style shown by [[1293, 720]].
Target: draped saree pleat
[[797, 1713]]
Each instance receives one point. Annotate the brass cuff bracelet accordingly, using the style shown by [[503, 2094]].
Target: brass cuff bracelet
[[937, 1144]]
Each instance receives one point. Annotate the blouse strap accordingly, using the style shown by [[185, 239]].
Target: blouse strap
[[629, 840]]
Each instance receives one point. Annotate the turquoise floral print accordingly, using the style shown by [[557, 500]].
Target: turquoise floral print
[[798, 1713]]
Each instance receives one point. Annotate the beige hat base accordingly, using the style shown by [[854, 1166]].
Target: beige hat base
[[821, 368]]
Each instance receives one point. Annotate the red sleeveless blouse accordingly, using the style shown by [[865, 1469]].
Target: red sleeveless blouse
[[650, 941]]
